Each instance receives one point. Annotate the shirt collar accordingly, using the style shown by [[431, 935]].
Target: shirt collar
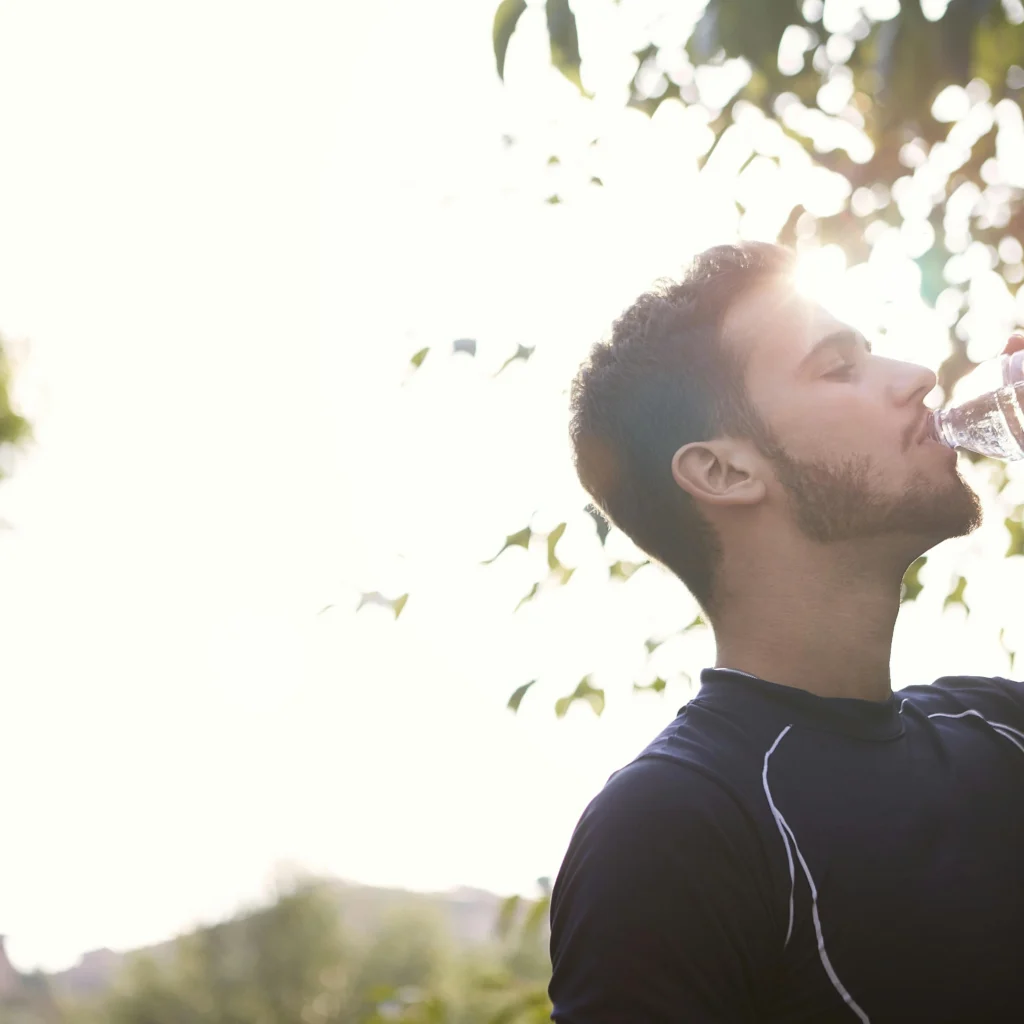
[[865, 719]]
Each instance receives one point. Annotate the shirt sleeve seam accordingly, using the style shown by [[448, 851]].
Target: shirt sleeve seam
[[748, 817]]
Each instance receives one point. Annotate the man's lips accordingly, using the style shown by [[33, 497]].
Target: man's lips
[[927, 431], [918, 431]]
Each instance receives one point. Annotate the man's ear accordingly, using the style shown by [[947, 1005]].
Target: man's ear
[[723, 471]]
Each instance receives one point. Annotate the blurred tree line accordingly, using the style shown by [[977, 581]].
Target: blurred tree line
[[294, 962]]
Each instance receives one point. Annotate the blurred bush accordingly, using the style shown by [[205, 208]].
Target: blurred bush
[[294, 962]]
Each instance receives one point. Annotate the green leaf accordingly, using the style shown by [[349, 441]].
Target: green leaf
[[522, 352], [584, 691], [1002, 641], [912, 586], [514, 540], [696, 624], [623, 570], [1016, 528], [377, 598], [528, 597], [417, 360], [553, 538], [15, 430], [505, 18], [956, 595], [517, 697], [565, 43], [652, 645], [658, 686]]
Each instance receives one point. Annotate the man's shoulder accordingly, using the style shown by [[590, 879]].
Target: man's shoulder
[[992, 697], [708, 756], [656, 781], [652, 819], [660, 799], [717, 739], [665, 882]]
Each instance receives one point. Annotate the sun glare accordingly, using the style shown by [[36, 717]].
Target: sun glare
[[820, 275], [880, 297]]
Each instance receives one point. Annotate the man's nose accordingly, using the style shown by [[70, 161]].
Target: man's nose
[[911, 383]]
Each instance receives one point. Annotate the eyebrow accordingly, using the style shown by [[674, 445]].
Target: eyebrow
[[843, 338]]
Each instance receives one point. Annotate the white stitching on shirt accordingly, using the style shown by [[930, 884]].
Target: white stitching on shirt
[[1015, 736], [1005, 734], [787, 835], [782, 831], [999, 727]]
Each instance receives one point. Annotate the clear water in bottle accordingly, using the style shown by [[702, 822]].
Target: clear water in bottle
[[993, 423]]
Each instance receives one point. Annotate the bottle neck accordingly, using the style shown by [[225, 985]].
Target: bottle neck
[[943, 429]]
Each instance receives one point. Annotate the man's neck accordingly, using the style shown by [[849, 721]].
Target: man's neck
[[823, 624]]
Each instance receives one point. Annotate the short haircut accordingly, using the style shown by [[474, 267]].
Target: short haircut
[[664, 379]]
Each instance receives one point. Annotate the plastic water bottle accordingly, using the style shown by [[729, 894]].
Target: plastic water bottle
[[993, 423]]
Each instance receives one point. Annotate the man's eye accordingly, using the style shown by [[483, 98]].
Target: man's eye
[[844, 372]]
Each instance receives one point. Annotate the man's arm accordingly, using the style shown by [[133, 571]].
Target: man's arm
[[662, 910]]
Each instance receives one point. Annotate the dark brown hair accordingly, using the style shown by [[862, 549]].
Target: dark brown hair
[[662, 380]]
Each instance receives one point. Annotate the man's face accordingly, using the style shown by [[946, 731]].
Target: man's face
[[847, 435]]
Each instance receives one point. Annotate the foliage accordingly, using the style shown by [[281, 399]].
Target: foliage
[[286, 962], [909, 111], [293, 963], [32, 1002], [855, 84]]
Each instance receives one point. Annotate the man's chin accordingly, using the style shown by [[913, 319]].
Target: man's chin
[[954, 512], [839, 503], [929, 511]]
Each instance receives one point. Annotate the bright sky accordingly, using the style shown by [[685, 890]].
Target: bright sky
[[224, 229]]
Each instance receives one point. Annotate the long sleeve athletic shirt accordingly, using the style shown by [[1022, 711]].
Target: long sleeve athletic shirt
[[778, 856]]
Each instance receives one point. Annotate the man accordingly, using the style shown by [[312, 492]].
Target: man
[[800, 843]]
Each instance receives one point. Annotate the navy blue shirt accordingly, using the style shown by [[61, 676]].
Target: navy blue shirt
[[778, 856]]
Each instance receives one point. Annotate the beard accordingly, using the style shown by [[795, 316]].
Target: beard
[[841, 502]]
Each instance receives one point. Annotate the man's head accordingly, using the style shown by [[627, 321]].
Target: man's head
[[728, 403]]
